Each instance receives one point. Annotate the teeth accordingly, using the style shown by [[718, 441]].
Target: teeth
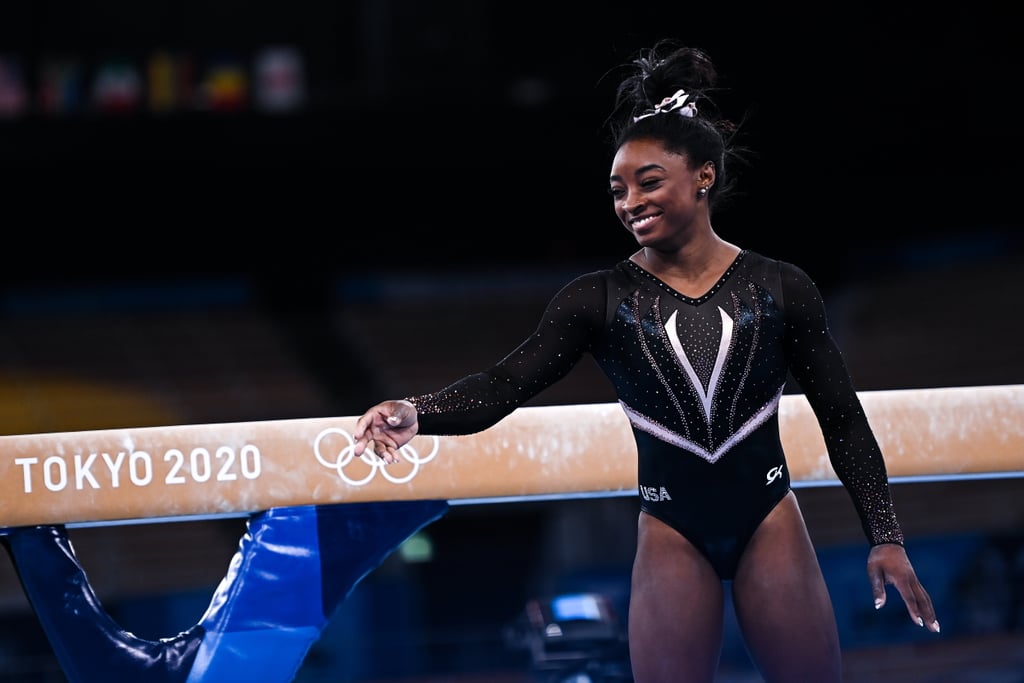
[[636, 222]]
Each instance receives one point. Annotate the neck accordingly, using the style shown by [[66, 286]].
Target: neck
[[693, 259]]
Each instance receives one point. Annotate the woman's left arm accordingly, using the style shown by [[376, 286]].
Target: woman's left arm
[[816, 362]]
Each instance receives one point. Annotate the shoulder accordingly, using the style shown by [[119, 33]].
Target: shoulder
[[793, 289], [602, 280], [592, 294], [789, 272]]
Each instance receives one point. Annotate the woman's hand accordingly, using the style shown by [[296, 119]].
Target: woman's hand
[[888, 564], [385, 428]]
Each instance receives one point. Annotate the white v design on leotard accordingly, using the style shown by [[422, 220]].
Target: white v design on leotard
[[706, 395]]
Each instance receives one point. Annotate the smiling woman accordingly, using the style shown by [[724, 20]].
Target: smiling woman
[[699, 337], [857, 109]]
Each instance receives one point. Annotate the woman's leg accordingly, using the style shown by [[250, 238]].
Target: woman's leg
[[675, 609], [783, 605]]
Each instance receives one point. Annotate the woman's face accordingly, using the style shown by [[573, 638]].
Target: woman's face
[[655, 192]]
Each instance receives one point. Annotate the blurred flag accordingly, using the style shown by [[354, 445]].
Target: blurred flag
[[13, 91], [162, 83], [169, 78], [61, 85], [224, 85], [117, 88], [279, 81]]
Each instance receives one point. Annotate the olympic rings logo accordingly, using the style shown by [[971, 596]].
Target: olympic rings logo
[[346, 455]]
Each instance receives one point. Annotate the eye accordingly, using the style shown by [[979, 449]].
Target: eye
[[650, 183], [616, 192]]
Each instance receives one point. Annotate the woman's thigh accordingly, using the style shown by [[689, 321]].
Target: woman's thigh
[[783, 604], [675, 609]]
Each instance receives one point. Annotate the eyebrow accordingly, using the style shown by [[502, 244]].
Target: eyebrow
[[642, 169]]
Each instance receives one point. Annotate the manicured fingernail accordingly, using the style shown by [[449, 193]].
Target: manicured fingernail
[[878, 603], [935, 626], [920, 621]]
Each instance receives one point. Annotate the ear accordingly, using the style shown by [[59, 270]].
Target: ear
[[706, 174]]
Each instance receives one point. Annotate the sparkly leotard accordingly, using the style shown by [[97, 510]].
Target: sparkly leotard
[[700, 380]]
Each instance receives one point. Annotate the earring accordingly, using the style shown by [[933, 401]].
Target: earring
[[702, 192]]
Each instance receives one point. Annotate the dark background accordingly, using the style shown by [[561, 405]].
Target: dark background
[[447, 172], [462, 133]]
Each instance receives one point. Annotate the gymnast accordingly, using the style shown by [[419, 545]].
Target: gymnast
[[697, 335]]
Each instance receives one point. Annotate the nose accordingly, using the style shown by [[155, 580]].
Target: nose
[[632, 206]]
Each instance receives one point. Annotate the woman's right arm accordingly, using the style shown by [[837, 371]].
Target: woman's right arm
[[572, 319], [385, 428]]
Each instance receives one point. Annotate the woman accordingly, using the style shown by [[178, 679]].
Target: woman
[[697, 336]]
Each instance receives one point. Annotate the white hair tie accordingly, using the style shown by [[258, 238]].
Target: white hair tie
[[676, 102]]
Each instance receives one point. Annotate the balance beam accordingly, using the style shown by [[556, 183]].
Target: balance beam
[[120, 475]]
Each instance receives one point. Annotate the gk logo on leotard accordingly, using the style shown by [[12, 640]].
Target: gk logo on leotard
[[345, 457], [773, 474], [654, 493]]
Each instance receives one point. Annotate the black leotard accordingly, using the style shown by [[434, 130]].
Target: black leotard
[[700, 380]]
